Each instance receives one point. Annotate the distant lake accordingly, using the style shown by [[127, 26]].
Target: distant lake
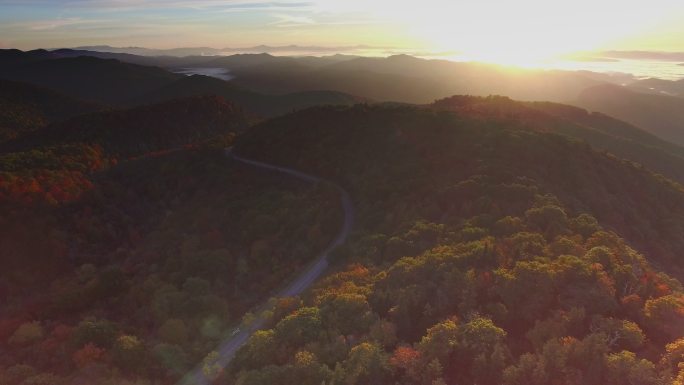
[[218, 73]]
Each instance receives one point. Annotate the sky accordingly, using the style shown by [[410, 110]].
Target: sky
[[493, 30]]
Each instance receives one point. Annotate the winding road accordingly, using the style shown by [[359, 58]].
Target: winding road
[[227, 349]]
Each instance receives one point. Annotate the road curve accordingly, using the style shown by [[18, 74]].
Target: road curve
[[227, 349]]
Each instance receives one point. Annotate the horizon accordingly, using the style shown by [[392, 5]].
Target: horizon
[[528, 33], [626, 65]]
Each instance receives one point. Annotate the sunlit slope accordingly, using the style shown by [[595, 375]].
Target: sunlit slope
[[262, 105], [401, 156], [661, 115], [602, 132]]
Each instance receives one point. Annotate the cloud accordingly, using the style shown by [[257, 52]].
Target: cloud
[[284, 20], [46, 25], [160, 4]]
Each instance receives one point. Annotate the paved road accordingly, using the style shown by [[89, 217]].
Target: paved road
[[228, 348]]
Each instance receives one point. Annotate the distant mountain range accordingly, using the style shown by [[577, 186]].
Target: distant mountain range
[[208, 51], [645, 55], [267, 85], [312, 49], [120, 82]]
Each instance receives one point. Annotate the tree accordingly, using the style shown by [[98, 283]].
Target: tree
[[308, 371], [366, 364], [299, 327], [128, 352], [210, 365], [27, 333], [546, 367], [508, 226], [285, 306], [196, 287], [167, 301], [523, 245], [679, 380], [347, 313], [259, 351], [550, 219], [174, 331], [88, 355], [587, 357], [561, 324], [480, 334], [621, 334], [439, 342], [44, 379], [172, 358], [385, 333], [99, 332], [212, 327], [482, 349], [665, 315], [404, 357], [625, 369], [406, 361], [529, 288], [110, 282], [584, 224], [670, 361], [15, 374]]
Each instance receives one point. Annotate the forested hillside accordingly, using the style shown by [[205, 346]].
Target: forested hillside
[[123, 81], [131, 245], [24, 107], [407, 79], [661, 114], [106, 81], [255, 103], [600, 131], [143, 129], [486, 252]]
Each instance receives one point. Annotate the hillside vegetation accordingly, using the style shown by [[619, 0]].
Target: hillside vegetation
[[120, 80], [131, 245], [662, 115], [144, 129], [496, 242], [106, 81], [600, 131], [255, 103], [487, 252], [24, 108]]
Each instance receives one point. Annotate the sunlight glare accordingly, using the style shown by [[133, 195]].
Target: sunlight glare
[[526, 33]]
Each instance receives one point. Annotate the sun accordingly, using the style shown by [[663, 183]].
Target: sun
[[523, 33], [523, 58], [513, 42]]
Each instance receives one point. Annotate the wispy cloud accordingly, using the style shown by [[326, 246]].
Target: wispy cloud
[[286, 20], [37, 23], [161, 4], [45, 25]]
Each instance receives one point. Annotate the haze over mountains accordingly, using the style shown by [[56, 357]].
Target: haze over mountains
[[511, 226], [286, 83], [208, 51]]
